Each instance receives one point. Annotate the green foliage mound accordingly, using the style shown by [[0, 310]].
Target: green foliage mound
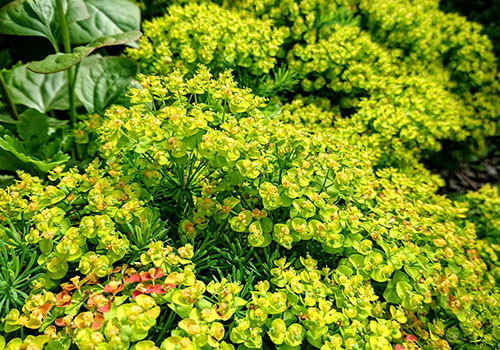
[[287, 236], [405, 70], [205, 33]]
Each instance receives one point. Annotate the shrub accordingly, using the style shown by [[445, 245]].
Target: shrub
[[353, 56], [205, 33], [386, 228]]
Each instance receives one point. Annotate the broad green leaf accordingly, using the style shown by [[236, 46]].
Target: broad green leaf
[[33, 128], [39, 91], [77, 11], [143, 144], [390, 292], [55, 345], [5, 59], [106, 18], [13, 158], [402, 287], [101, 80], [39, 17], [391, 296], [62, 61]]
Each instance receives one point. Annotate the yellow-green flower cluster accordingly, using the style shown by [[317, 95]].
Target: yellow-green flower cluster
[[310, 111], [116, 313], [437, 42], [429, 35], [308, 20], [324, 308], [70, 217], [233, 168], [346, 61], [417, 112], [415, 80], [205, 33]]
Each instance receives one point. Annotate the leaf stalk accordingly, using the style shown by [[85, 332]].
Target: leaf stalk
[[70, 73], [8, 99]]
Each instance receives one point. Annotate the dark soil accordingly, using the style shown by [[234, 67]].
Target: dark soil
[[465, 172], [472, 176]]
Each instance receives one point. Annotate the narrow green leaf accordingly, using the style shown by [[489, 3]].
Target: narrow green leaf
[[102, 80], [106, 18], [62, 61], [38, 91], [38, 17]]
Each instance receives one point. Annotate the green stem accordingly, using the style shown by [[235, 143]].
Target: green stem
[[6, 95], [70, 72], [64, 26]]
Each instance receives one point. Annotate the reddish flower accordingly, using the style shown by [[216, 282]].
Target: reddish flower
[[98, 322], [170, 286], [157, 289], [97, 300], [63, 299], [152, 274], [411, 337], [63, 321], [68, 287], [399, 347], [113, 287], [45, 308], [136, 293], [105, 308], [132, 279]]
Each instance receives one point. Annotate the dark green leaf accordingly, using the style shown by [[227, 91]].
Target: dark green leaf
[[13, 157], [6, 180], [106, 18], [102, 80], [391, 296], [33, 128], [62, 61], [39, 91], [56, 123], [5, 59], [38, 17]]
